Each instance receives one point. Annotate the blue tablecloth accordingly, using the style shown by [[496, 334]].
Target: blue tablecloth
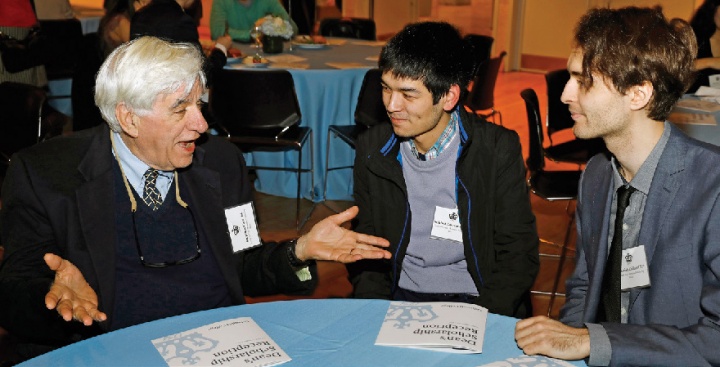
[[339, 332], [327, 96], [686, 120]]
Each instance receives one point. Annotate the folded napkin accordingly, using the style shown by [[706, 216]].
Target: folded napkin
[[689, 118], [286, 58], [369, 43], [336, 41], [289, 65], [346, 65]]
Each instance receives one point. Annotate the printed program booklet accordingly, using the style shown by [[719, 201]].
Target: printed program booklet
[[443, 326], [233, 342]]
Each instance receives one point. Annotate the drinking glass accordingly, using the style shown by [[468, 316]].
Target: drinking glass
[[255, 33]]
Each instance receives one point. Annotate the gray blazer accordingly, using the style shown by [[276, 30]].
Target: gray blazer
[[675, 321]]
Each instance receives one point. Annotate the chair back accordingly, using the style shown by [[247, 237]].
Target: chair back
[[62, 46], [255, 101], [480, 47], [370, 108], [359, 28], [558, 115], [536, 158], [85, 113], [482, 95], [21, 106]]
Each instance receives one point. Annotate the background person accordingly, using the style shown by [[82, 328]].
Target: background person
[[705, 23], [238, 17], [168, 20]]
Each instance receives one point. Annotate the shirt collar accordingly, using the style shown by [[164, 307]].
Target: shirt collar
[[643, 178], [443, 141], [134, 168]]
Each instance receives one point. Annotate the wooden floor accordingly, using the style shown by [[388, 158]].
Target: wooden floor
[[277, 221]]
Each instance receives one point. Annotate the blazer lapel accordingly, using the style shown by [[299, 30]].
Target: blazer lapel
[[205, 199], [600, 195], [665, 185], [97, 223]]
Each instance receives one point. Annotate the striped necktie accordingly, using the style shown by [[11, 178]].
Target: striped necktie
[[151, 195]]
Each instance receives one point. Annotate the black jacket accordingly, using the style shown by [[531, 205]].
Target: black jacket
[[58, 197], [501, 242]]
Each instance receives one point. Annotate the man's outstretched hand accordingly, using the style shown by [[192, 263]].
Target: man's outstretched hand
[[327, 240], [70, 294]]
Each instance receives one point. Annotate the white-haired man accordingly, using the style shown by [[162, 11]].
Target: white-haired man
[[127, 222]]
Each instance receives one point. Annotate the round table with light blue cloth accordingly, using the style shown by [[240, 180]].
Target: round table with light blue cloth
[[685, 118], [327, 96], [331, 332]]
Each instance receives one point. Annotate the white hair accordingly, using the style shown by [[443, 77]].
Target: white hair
[[139, 71]]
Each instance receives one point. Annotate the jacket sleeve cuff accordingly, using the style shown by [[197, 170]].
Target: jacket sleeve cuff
[[600, 348], [221, 48]]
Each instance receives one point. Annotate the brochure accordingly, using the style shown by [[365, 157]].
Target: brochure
[[234, 342], [443, 326]]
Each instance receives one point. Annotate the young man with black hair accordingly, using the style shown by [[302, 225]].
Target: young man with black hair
[[445, 187]]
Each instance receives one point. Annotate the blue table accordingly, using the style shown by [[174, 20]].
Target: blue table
[[327, 96], [333, 332], [684, 119]]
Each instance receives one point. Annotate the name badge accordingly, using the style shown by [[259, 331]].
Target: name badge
[[714, 80], [446, 225], [242, 226], [634, 271]]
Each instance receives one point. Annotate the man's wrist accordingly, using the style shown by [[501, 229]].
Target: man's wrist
[[293, 258]]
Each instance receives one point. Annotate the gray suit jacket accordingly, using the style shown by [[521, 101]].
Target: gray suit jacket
[[675, 321]]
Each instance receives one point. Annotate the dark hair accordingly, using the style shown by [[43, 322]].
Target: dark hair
[[432, 52], [703, 21], [632, 45]]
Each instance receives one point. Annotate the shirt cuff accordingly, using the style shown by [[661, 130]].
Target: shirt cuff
[[600, 348], [221, 48]]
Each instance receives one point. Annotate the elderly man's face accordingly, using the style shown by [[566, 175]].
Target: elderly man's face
[[166, 136]]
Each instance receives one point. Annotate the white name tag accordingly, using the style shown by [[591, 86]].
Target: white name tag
[[634, 270], [242, 227], [446, 225], [714, 81]]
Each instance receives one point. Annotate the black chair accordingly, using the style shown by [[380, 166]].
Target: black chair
[[64, 42], [359, 28], [558, 119], [62, 51], [259, 111], [22, 109], [369, 111], [482, 94], [548, 185], [85, 113], [480, 48]]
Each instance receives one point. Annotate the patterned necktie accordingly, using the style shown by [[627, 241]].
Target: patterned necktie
[[609, 309], [151, 195]]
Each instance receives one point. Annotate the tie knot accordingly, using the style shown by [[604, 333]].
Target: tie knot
[[624, 193], [151, 174], [151, 195]]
